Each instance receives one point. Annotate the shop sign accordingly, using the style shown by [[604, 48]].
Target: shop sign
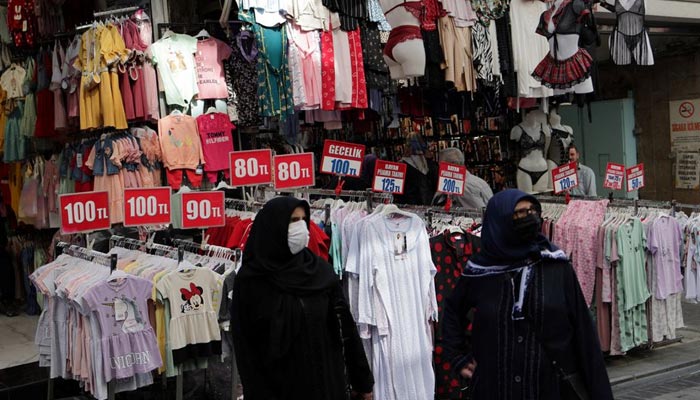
[[614, 175], [341, 158], [294, 171], [685, 125], [251, 167], [84, 212], [147, 206], [688, 171], [203, 209], [389, 177], [565, 177], [451, 178], [635, 177]]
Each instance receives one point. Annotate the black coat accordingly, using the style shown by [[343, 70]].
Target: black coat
[[511, 362], [310, 366]]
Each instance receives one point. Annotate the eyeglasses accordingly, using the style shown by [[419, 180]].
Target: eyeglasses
[[524, 212]]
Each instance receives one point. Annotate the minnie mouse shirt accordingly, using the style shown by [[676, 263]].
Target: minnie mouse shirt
[[194, 329]]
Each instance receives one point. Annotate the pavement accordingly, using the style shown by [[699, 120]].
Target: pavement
[[644, 365]]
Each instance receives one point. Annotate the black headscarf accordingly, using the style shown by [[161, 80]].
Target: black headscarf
[[500, 245], [267, 253]]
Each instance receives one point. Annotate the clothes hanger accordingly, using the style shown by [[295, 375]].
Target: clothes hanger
[[176, 112], [203, 34]]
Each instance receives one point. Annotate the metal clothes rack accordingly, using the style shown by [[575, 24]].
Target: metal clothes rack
[[636, 203], [98, 14], [193, 247]]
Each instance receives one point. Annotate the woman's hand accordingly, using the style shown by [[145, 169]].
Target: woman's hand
[[468, 371], [362, 396]]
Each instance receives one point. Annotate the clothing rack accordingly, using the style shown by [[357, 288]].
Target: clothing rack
[[367, 195], [636, 203], [219, 251], [116, 11], [123, 241]]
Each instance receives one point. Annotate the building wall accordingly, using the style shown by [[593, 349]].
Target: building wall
[[672, 78]]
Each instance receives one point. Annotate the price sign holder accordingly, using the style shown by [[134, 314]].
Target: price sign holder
[[147, 206], [614, 175], [84, 212], [451, 178], [389, 177], [565, 177], [342, 158], [203, 209], [635, 177], [251, 167], [294, 171]]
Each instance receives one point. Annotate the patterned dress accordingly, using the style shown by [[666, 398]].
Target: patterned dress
[[450, 254]]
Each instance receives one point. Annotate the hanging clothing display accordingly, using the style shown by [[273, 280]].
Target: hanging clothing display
[[528, 47], [210, 56], [563, 19], [174, 54], [274, 80], [629, 42], [399, 240]]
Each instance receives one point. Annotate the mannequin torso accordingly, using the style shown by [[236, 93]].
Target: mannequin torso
[[404, 54], [533, 138]]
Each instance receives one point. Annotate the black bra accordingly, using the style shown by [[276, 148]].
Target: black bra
[[528, 144]]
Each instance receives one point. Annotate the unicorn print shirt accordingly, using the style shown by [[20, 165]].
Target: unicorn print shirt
[[128, 341]]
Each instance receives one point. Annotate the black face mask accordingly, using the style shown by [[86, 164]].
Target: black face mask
[[528, 228]]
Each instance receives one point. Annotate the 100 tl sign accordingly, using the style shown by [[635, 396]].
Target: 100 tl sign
[[84, 212], [147, 206]]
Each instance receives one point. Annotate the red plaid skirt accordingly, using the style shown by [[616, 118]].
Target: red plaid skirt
[[564, 74]]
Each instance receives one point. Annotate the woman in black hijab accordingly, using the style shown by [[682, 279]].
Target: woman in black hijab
[[532, 334], [294, 336]]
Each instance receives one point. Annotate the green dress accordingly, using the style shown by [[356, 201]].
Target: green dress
[[274, 81]]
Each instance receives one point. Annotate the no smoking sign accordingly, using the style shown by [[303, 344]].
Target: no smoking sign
[[686, 109]]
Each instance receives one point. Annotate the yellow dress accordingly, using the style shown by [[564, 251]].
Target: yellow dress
[[101, 102]]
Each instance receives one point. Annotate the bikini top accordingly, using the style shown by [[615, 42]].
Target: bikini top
[[528, 144], [567, 19]]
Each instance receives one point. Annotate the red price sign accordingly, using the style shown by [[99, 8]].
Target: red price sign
[[341, 158], [203, 209], [451, 178], [251, 167], [84, 212], [565, 177], [147, 206], [294, 171], [635, 177], [389, 177], [614, 175]]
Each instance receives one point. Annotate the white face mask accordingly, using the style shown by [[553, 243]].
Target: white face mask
[[297, 236]]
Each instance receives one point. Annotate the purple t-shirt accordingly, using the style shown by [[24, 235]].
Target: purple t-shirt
[[664, 243], [129, 343]]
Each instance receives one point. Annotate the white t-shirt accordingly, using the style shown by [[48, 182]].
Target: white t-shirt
[[174, 56]]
